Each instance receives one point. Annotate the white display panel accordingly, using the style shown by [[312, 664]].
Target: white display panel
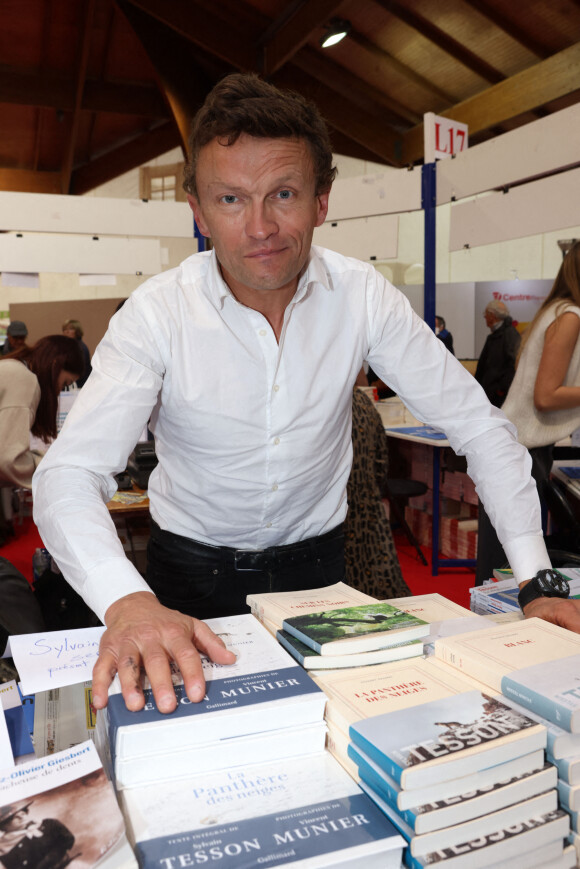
[[43, 212], [365, 238], [541, 206], [31, 252], [389, 192]]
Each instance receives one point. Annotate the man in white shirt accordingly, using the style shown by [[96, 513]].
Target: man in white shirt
[[245, 358]]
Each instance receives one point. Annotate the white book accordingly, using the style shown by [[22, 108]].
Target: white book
[[304, 812], [277, 606], [534, 662], [265, 689], [62, 807], [63, 717], [568, 768], [226, 753], [485, 825]]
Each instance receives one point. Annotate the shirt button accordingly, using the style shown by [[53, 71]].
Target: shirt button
[[276, 388], [276, 441], [262, 332], [275, 487], [268, 524]]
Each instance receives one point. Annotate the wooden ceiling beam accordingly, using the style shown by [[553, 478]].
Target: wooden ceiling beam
[[51, 90], [507, 25], [28, 181], [81, 73], [340, 79], [233, 45], [442, 40], [539, 84], [129, 156], [290, 36]]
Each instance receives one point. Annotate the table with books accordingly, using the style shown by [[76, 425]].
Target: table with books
[[421, 744]]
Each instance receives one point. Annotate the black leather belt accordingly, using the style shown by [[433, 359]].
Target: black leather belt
[[278, 556]]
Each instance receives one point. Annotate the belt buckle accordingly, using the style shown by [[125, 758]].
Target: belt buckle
[[247, 560]]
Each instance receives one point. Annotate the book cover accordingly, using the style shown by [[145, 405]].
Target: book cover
[[347, 630], [277, 606], [311, 660], [363, 692], [62, 810], [569, 796], [446, 738], [568, 768], [536, 841], [263, 690], [302, 811], [63, 717], [20, 739], [524, 660], [448, 837]]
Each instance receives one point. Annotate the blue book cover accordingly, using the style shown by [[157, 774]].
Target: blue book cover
[[259, 815], [446, 738], [551, 689], [264, 689]]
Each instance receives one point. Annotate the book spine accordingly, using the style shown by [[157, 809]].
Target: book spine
[[289, 647], [547, 707], [391, 768], [480, 669], [308, 641]]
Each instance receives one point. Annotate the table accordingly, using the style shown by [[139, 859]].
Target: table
[[424, 434], [134, 508]]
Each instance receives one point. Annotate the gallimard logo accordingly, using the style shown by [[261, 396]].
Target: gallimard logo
[[276, 845]]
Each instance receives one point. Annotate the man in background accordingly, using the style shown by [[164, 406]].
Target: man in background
[[16, 335], [496, 366], [444, 334]]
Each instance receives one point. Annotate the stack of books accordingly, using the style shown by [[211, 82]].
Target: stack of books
[[263, 707], [536, 665], [461, 774]]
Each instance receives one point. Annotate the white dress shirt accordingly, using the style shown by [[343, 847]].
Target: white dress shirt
[[253, 436]]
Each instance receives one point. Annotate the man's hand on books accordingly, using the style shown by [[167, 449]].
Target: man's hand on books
[[559, 611], [143, 634]]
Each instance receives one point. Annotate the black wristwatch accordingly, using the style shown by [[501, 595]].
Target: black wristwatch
[[546, 583]]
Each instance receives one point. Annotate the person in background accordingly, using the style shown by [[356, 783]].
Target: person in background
[[497, 363], [245, 358], [444, 334], [30, 381], [73, 329], [371, 559], [544, 399], [16, 335]]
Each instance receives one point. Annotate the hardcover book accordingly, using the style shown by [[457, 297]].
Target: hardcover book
[[348, 630], [303, 812], [532, 661], [446, 738], [263, 690], [61, 810], [448, 837], [277, 606], [311, 660]]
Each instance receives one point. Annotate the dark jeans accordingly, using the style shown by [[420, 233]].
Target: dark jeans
[[490, 552], [208, 581]]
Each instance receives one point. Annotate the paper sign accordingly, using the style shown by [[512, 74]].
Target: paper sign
[[443, 137], [55, 658]]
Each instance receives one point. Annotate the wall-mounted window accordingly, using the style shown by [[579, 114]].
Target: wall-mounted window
[[162, 182]]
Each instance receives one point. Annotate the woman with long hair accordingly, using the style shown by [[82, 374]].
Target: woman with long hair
[[31, 379], [544, 398]]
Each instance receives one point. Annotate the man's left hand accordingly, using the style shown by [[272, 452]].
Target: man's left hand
[[559, 611]]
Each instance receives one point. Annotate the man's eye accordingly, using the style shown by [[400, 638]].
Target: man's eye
[[285, 194], [229, 198]]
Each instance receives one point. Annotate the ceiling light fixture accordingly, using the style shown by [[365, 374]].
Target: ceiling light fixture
[[336, 30]]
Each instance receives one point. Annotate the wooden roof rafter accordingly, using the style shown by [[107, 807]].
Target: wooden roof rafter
[[81, 72], [289, 37]]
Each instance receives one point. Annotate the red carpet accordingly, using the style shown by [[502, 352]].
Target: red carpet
[[454, 583]]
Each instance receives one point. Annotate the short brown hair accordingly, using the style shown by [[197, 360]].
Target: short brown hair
[[244, 103], [74, 324]]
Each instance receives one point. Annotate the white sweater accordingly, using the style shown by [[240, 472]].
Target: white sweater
[[536, 428]]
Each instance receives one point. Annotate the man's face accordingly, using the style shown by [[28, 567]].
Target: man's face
[[257, 202], [16, 341], [490, 319]]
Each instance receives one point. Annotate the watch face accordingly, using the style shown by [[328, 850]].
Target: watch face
[[552, 582]]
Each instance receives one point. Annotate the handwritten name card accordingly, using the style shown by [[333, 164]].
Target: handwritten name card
[[55, 658]]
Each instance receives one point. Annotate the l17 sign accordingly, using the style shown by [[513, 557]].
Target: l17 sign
[[443, 137]]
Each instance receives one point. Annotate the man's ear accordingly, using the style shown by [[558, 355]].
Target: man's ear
[[198, 215], [322, 199]]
